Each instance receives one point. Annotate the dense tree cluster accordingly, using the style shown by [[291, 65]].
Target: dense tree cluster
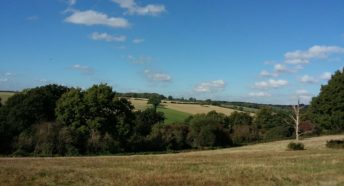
[[327, 109], [56, 120]]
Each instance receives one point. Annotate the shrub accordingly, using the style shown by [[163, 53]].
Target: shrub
[[296, 146], [335, 144]]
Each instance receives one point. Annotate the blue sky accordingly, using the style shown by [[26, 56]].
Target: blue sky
[[258, 51]]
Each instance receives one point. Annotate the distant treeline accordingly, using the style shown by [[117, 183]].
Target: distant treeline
[[56, 120], [228, 104]]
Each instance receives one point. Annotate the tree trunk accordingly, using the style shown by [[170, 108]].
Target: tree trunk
[[296, 118]]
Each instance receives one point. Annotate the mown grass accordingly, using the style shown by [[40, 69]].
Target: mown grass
[[262, 164], [173, 116]]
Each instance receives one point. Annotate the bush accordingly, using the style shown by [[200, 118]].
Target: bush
[[296, 146], [335, 144]]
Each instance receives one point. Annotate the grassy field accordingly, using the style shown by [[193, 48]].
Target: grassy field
[[262, 164], [187, 108], [5, 95], [173, 116]]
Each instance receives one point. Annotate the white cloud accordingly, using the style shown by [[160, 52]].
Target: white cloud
[[304, 95], [302, 92], [91, 17], [315, 52], [212, 86], [279, 68], [107, 37], [157, 76], [134, 8], [140, 60], [326, 76], [138, 40], [83, 69], [271, 83], [3, 80], [265, 73], [308, 79], [71, 2], [8, 74], [259, 94]]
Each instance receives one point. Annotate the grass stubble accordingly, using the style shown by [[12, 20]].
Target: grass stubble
[[261, 164]]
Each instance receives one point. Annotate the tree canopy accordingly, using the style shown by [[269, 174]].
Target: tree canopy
[[327, 109]]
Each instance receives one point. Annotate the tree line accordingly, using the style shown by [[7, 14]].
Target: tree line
[[56, 120]]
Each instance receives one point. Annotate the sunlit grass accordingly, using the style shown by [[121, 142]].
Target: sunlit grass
[[262, 164], [173, 116]]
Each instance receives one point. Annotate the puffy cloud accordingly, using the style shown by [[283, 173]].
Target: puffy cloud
[[157, 76], [140, 60], [265, 73], [304, 95], [315, 52], [279, 68], [83, 69], [133, 8], [259, 94], [326, 76], [138, 40], [302, 92], [107, 37], [308, 79], [271, 83], [91, 17], [212, 86], [71, 2]]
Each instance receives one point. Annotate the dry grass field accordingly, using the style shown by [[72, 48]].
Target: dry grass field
[[141, 104], [262, 164], [5, 95]]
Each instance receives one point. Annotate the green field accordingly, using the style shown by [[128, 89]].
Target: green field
[[261, 164], [5, 95], [173, 116]]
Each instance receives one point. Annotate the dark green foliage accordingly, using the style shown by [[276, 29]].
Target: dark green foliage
[[155, 101], [240, 118], [54, 120], [296, 146], [279, 132], [335, 144], [208, 130], [274, 124], [146, 119], [242, 128], [169, 137], [327, 109], [25, 109]]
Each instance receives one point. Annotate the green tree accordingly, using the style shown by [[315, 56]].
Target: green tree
[[240, 118], [242, 128], [327, 109], [208, 130], [169, 137], [273, 124], [155, 101]]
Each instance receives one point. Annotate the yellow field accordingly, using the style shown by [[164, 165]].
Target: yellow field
[[188, 108], [5, 95], [262, 164]]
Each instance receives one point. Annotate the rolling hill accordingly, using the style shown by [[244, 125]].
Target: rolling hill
[[261, 164]]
